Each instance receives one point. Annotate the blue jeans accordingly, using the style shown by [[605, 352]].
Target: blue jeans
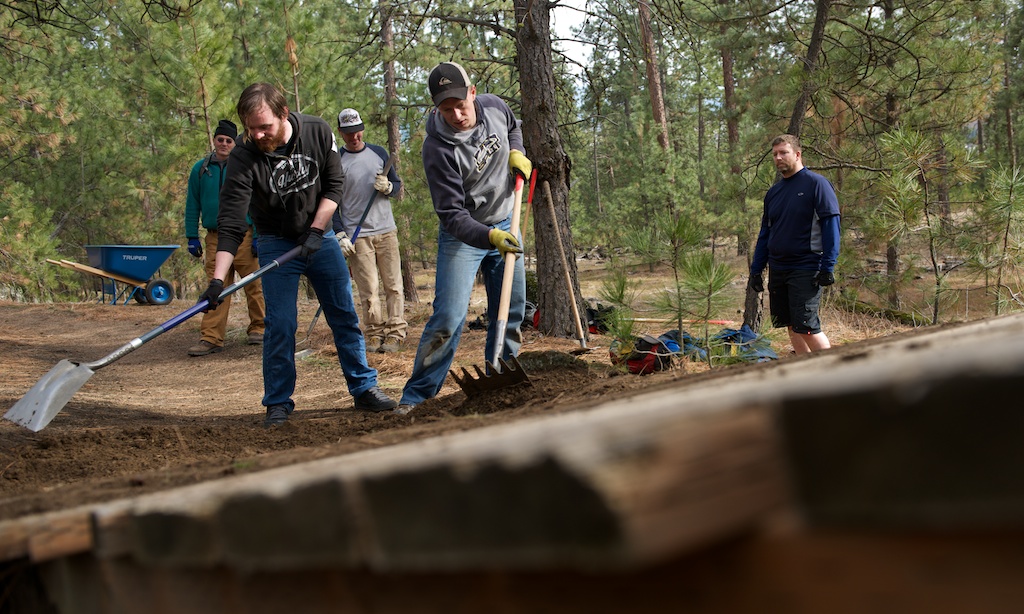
[[327, 271], [457, 264]]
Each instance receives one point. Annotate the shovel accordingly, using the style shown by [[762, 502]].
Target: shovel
[[499, 374], [51, 393]]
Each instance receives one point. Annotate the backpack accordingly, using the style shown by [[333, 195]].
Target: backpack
[[649, 354]]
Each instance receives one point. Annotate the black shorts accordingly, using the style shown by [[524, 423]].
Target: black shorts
[[793, 298]]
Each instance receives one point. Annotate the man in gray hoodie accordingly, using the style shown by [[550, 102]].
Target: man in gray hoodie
[[473, 148]]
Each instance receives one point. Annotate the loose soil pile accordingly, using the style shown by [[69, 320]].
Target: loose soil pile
[[158, 418]]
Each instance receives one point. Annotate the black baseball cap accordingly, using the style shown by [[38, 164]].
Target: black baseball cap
[[448, 80]]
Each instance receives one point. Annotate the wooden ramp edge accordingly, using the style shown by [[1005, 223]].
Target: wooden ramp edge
[[917, 434]]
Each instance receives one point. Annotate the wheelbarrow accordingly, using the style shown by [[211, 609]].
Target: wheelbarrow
[[132, 266]]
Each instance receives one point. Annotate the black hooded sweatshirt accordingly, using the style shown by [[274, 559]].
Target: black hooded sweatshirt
[[280, 191]]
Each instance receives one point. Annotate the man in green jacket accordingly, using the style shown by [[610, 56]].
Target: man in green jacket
[[203, 204]]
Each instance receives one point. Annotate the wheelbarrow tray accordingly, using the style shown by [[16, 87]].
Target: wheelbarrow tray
[[138, 262]]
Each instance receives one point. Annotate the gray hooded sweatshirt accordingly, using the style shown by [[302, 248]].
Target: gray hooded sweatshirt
[[467, 172]]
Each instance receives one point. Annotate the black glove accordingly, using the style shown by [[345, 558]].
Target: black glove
[[824, 278], [195, 247], [310, 241], [756, 283], [255, 247], [212, 294]]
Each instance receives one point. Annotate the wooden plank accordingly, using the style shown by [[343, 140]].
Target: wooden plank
[[65, 535], [84, 268], [47, 536]]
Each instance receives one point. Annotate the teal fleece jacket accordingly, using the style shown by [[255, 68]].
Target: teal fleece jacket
[[202, 202]]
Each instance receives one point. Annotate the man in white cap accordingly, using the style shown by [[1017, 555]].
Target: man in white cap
[[472, 151], [368, 235]]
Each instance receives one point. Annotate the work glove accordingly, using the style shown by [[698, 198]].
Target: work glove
[[310, 241], [212, 294], [346, 245], [255, 247], [824, 278], [504, 242], [195, 247], [382, 185], [519, 163], [756, 283]]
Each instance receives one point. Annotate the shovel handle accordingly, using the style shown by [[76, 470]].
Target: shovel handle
[[191, 311]]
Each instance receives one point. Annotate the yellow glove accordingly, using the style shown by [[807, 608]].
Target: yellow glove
[[382, 185], [519, 163], [504, 242]]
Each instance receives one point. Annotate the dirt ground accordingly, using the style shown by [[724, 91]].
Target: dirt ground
[[158, 418]]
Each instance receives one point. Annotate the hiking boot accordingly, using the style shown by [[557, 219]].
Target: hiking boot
[[375, 400], [373, 344], [203, 348], [403, 409], [392, 344], [276, 415], [255, 339]]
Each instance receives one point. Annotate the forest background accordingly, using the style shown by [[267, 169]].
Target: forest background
[[653, 144]]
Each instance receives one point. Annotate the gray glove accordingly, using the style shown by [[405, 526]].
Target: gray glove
[[310, 242]]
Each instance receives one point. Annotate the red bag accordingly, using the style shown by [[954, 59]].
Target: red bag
[[649, 355]]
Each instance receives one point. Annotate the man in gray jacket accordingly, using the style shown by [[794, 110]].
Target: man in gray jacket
[[473, 148]]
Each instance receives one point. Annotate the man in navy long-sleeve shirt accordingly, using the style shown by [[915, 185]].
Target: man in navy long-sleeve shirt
[[799, 242]]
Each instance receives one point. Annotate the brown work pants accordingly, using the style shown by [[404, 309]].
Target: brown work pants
[[215, 322], [378, 254]]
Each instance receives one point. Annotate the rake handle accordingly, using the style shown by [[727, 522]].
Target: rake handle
[[505, 298]]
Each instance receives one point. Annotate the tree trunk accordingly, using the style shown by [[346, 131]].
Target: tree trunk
[[387, 42], [544, 148], [653, 75], [821, 17], [1011, 145]]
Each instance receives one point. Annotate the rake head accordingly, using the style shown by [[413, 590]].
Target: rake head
[[511, 373]]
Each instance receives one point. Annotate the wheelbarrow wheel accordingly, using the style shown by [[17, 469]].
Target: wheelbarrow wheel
[[159, 292], [140, 296]]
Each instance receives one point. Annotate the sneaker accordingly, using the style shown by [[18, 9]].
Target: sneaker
[[203, 348], [403, 409], [392, 344], [255, 339], [375, 400], [276, 415], [373, 344]]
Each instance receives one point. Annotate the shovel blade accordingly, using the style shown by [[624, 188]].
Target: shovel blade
[[50, 394]]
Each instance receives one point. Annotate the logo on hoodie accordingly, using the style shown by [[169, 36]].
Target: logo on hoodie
[[293, 174], [487, 148]]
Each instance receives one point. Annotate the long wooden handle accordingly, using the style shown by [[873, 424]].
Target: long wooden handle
[[565, 267], [510, 271]]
